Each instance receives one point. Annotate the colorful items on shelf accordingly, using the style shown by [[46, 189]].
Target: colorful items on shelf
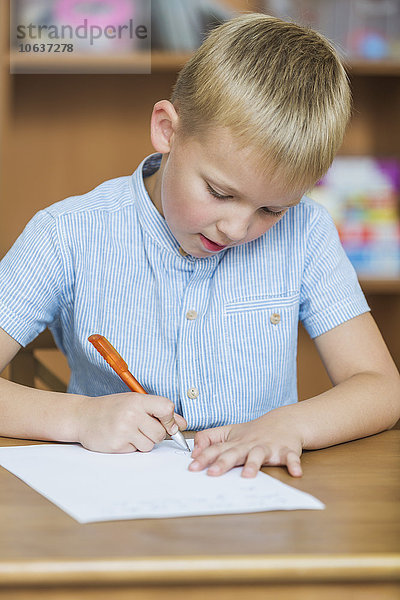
[[89, 26], [360, 29], [102, 15], [362, 194], [180, 25], [115, 26]]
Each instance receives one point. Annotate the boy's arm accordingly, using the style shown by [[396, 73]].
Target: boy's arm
[[365, 399], [114, 423], [27, 412]]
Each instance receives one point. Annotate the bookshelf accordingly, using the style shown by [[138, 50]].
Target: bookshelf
[[63, 134], [160, 61], [381, 286], [374, 68]]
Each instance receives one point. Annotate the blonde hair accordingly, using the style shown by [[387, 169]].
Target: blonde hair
[[279, 87]]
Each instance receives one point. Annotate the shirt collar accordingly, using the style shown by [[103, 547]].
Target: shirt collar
[[151, 220]]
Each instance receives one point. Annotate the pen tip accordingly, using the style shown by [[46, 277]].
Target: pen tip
[[180, 440]]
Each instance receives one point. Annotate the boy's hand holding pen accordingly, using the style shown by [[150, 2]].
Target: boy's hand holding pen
[[127, 422]]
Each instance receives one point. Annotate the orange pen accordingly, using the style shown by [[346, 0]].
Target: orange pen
[[116, 362]]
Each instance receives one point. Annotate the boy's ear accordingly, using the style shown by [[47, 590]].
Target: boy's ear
[[164, 124]]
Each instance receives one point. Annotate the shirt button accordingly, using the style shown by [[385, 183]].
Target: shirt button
[[275, 318], [191, 315], [182, 252], [193, 393]]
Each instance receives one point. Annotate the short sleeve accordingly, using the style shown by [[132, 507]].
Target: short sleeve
[[31, 280], [330, 292]]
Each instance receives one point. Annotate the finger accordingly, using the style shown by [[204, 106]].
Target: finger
[[293, 464], [219, 458], [207, 437], [153, 429], [255, 459], [163, 409], [180, 421], [201, 441], [227, 460], [142, 442], [206, 457], [125, 448]]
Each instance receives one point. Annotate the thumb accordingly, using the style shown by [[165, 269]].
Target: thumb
[[174, 424], [207, 437], [181, 422], [162, 409], [169, 423]]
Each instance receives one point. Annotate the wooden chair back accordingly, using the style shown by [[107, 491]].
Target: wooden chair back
[[26, 367]]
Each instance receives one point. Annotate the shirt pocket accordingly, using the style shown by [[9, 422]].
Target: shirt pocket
[[261, 347]]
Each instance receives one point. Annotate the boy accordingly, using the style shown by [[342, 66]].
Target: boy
[[198, 267]]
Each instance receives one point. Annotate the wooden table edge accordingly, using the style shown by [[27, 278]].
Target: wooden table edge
[[203, 569]]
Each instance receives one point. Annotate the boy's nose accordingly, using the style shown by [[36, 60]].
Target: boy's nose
[[234, 229]]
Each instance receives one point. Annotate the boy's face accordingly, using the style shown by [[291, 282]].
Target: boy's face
[[210, 197]]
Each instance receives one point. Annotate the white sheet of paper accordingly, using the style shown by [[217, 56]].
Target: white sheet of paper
[[91, 487]]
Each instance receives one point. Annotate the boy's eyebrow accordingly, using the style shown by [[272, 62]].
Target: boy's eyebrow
[[229, 188]]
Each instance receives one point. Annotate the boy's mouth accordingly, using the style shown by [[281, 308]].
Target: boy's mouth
[[210, 245]]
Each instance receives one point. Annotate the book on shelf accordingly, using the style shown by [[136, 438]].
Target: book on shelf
[[360, 29], [362, 195], [97, 27], [180, 25]]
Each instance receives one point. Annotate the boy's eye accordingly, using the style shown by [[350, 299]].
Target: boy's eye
[[215, 194], [267, 211]]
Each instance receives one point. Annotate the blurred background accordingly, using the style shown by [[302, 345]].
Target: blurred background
[[73, 118]]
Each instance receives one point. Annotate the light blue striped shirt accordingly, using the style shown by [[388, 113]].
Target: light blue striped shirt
[[216, 335]]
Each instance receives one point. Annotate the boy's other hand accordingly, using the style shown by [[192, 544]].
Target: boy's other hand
[[263, 442], [126, 422]]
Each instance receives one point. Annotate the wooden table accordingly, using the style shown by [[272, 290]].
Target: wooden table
[[349, 550]]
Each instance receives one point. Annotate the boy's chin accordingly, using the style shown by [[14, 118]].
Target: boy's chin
[[194, 253]]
